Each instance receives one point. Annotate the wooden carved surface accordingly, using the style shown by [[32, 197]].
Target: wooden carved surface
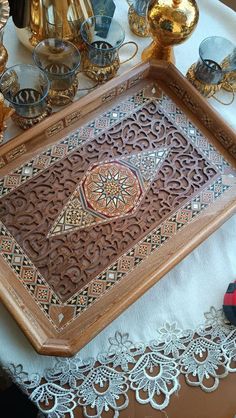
[[85, 213], [68, 261]]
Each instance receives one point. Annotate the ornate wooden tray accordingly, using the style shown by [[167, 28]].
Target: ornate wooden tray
[[100, 200]]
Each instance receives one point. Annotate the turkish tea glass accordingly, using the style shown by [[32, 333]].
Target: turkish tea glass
[[103, 37], [217, 58], [60, 61], [26, 88]]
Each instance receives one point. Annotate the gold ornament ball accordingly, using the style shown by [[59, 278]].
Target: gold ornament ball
[[170, 22]]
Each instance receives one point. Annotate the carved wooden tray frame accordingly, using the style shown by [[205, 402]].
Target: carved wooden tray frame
[[66, 340]]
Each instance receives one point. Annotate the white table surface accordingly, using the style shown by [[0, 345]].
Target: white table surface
[[200, 280]]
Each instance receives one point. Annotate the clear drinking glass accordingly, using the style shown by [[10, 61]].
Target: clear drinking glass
[[26, 88], [60, 61], [217, 58], [103, 37]]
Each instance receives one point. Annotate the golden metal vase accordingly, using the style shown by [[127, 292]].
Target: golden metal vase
[[170, 23]]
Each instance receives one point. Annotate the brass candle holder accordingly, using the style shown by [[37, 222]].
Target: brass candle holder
[[170, 22]]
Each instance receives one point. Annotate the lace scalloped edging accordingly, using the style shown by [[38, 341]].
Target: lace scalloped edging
[[203, 356]]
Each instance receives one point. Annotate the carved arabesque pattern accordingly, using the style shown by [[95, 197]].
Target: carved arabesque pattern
[[70, 261]]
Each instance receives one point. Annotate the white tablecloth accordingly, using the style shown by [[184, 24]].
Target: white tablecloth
[[199, 281]]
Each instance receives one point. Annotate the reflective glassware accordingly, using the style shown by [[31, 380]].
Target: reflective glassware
[[26, 88], [34, 16], [60, 61], [57, 29], [170, 22], [103, 38], [137, 17], [217, 57], [215, 68]]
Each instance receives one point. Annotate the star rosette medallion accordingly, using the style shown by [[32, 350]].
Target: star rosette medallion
[[110, 190]]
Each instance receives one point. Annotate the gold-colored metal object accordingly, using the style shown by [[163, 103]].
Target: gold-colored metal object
[[64, 97], [52, 18], [209, 90], [98, 73], [60, 62], [26, 88], [4, 15], [170, 22], [103, 39], [26, 123], [137, 22], [231, 81], [3, 58], [5, 113], [230, 77], [102, 74]]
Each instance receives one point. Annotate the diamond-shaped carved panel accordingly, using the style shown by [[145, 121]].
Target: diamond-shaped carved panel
[[110, 190]]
